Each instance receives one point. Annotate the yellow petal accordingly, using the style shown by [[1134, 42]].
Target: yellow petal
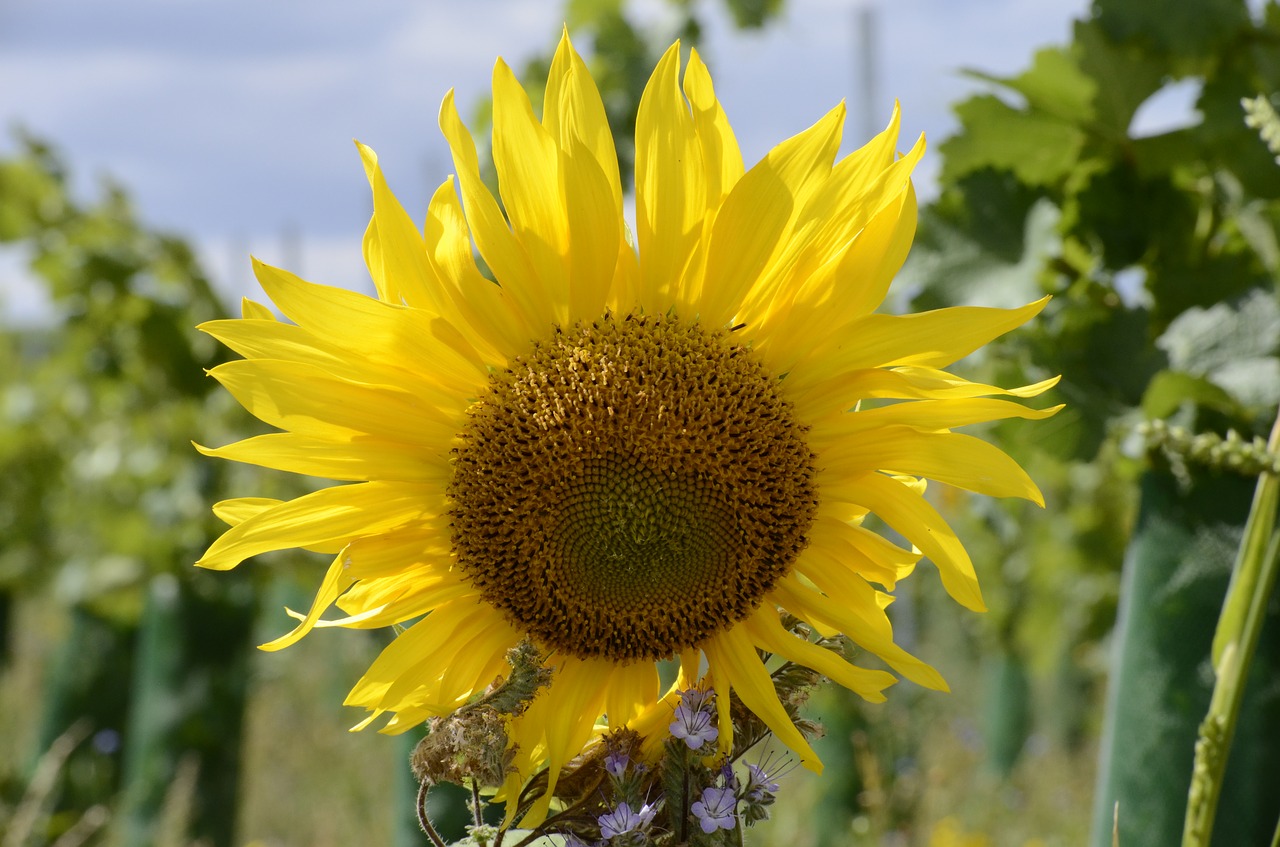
[[329, 516], [480, 659], [374, 557], [410, 339], [573, 113], [334, 583], [654, 723], [752, 225], [876, 256], [595, 232], [306, 400], [528, 165], [498, 246], [270, 339], [393, 247], [735, 663], [909, 383], [407, 672], [634, 688], [348, 460], [767, 632], [267, 338], [384, 602], [670, 187], [721, 680], [935, 415], [857, 613], [252, 309], [240, 509], [960, 460], [846, 287], [911, 516], [720, 154], [562, 718], [877, 558], [482, 305], [445, 677], [927, 339], [848, 201]]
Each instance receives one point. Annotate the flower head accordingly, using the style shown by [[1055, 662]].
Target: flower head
[[632, 446], [716, 809], [693, 721], [615, 762], [760, 787], [622, 821]]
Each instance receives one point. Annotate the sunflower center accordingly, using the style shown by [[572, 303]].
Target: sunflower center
[[630, 487]]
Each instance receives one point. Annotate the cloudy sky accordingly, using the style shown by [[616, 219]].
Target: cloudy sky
[[230, 121]]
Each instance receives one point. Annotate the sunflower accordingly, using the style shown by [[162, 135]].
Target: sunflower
[[621, 448]]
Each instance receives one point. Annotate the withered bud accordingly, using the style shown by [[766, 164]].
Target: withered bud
[[471, 744], [467, 745], [527, 676]]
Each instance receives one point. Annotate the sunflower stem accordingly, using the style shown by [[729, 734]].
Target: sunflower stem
[[1252, 581], [423, 820], [476, 813]]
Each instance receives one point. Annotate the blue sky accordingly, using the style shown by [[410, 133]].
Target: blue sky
[[230, 122]]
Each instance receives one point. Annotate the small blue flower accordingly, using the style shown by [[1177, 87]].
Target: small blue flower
[[716, 809], [616, 763], [693, 722], [622, 820], [760, 788]]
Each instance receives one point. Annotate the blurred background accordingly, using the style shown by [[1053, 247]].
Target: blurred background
[[1095, 151]]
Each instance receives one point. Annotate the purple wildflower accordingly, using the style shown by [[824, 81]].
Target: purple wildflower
[[622, 820], [693, 721], [760, 788], [616, 763], [716, 809]]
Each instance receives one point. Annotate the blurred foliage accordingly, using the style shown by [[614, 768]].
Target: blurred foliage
[[99, 407], [1161, 253], [106, 502]]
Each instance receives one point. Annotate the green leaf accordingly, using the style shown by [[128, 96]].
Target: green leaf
[[991, 207], [1125, 76], [1226, 141], [753, 14], [954, 268], [1232, 347], [1119, 213], [1169, 390], [1259, 222], [1054, 85], [1105, 353], [1182, 278], [1254, 382], [1203, 340], [1039, 148], [1185, 29], [1159, 155]]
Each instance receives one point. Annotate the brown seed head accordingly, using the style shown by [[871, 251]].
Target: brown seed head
[[630, 487]]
